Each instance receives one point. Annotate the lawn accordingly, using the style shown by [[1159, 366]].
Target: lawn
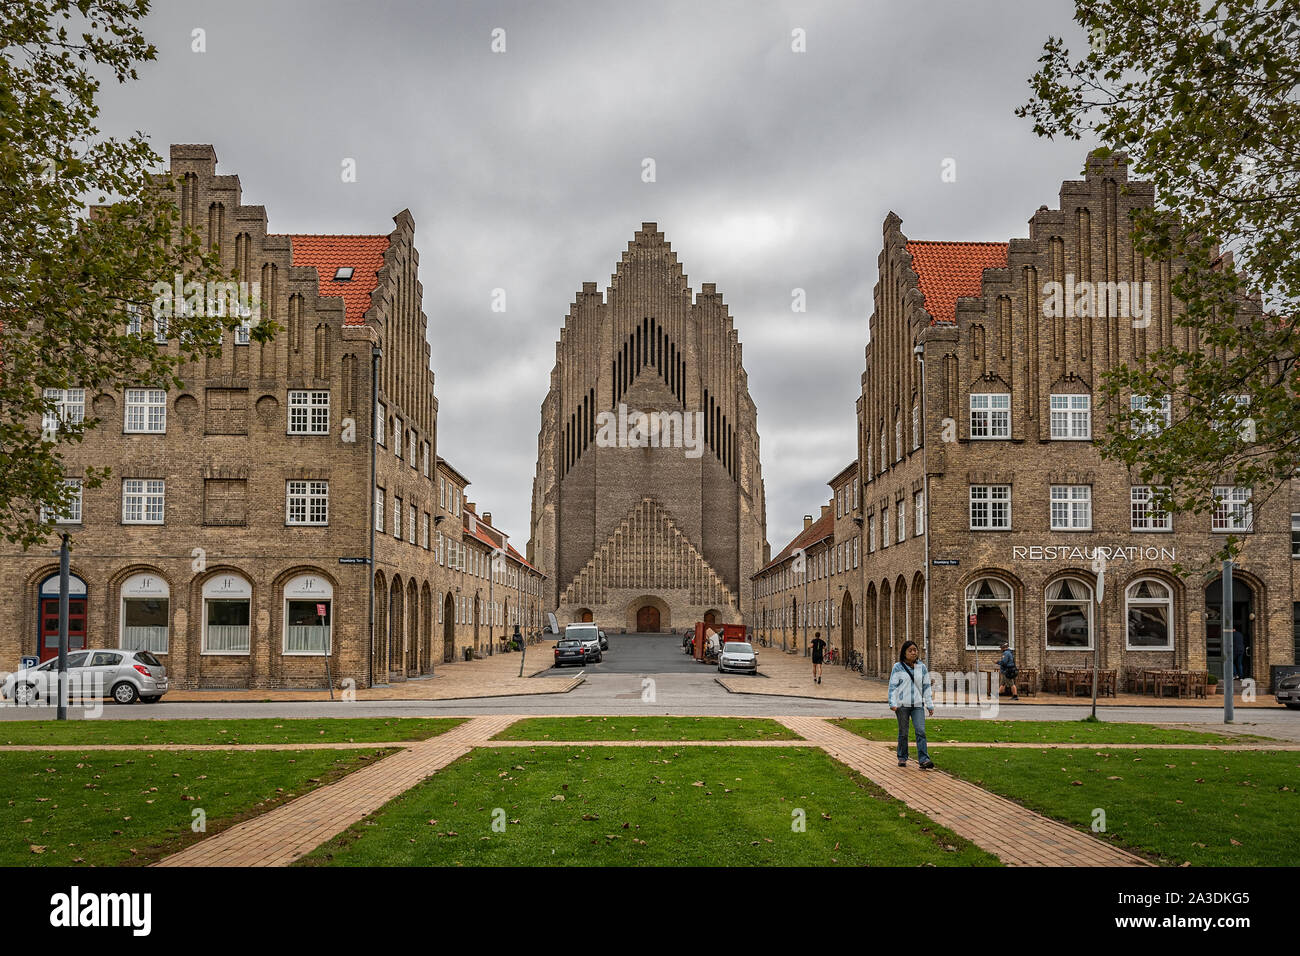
[[1211, 808], [328, 730], [960, 730], [646, 728], [124, 808], [620, 806]]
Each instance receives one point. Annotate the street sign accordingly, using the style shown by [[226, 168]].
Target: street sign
[[972, 620], [354, 560], [320, 610], [28, 662], [946, 562]]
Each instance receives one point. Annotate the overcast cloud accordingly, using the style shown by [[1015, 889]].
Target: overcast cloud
[[775, 170]]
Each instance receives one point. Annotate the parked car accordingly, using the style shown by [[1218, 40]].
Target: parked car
[[737, 656], [570, 652], [125, 676], [1288, 691], [604, 641], [589, 634]]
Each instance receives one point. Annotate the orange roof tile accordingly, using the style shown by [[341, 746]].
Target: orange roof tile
[[365, 254], [949, 270], [823, 527]]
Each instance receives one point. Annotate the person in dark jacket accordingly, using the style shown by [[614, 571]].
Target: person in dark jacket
[[818, 655], [1007, 665]]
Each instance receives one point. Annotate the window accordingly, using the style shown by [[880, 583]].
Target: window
[[135, 320], [990, 415], [145, 603], [990, 601], [1071, 507], [142, 500], [1232, 510], [856, 542], [990, 507], [1147, 417], [397, 438], [242, 332], [71, 514], [1143, 516], [226, 412], [146, 410], [379, 509], [381, 423], [425, 459], [884, 455], [1071, 417], [1295, 538], [397, 518], [442, 493], [898, 439], [871, 471], [225, 501], [1069, 615], [916, 427], [410, 524], [918, 510], [871, 534], [309, 413], [226, 600], [839, 503], [160, 329], [439, 549], [1150, 612], [902, 521], [424, 531], [884, 526], [308, 603], [343, 274], [856, 500], [307, 502], [69, 409], [411, 451]]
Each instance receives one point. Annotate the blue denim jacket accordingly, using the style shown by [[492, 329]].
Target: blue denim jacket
[[906, 692]]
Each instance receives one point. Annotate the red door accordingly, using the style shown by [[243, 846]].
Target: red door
[[647, 620], [49, 642]]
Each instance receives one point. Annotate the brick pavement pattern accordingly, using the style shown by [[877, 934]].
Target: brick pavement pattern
[[286, 833], [1017, 836]]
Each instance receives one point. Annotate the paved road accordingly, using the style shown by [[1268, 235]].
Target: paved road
[[648, 675]]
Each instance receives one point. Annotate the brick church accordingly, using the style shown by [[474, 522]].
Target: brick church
[[648, 508]]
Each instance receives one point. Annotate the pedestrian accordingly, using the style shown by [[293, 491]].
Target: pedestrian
[[1007, 665], [911, 698], [1238, 655], [818, 653]]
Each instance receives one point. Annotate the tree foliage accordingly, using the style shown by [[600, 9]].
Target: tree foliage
[[87, 226], [1202, 95]]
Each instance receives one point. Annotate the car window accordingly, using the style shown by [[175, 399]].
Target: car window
[[105, 659], [74, 660], [736, 647], [147, 659]]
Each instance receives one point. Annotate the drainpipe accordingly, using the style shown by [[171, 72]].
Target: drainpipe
[[375, 353], [925, 499]]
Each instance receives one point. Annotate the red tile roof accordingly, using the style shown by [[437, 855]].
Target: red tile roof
[[823, 527], [326, 253], [949, 270]]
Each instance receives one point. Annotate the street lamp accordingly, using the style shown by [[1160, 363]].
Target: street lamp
[[919, 352]]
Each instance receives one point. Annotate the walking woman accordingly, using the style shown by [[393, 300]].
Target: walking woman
[[911, 698]]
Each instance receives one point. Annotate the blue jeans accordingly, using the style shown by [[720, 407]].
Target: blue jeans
[[917, 716]]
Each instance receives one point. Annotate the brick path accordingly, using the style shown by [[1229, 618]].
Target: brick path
[[282, 835], [1017, 836]]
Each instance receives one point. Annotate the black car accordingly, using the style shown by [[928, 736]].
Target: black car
[[570, 652]]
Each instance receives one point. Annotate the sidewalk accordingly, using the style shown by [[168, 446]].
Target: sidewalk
[[496, 676], [790, 675]]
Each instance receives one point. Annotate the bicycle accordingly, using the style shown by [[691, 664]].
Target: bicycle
[[830, 655]]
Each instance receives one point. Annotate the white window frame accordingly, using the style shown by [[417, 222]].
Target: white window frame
[[309, 412], [310, 498], [1140, 402], [902, 520], [145, 412], [246, 599], [381, 424], [1088, 609], [1009, 600], [1071, 417], [414, 441], [69, 409], [1232, 504], [397, 518], [411, 512], [990, 496], [990, 416], [1167, 602], [1070, 507], [380, 510], [398, 436], [73, 513], [916, 427], [918, 512], [1140, 505], [143, 494], [424, 531]]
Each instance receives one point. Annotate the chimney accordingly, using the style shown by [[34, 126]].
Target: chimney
[[471, 506], [826, 509], [807, 522], [487, 517]]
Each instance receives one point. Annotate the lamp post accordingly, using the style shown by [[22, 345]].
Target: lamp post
[[919, 351], [64, 583], [1229, 681], [1099, 567]]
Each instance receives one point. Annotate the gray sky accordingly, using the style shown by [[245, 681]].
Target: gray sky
[[774, 170]]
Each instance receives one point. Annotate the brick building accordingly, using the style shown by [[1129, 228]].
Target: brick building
[[975, 430], [231, 538], [633, 528]]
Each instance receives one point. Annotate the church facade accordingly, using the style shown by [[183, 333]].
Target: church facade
[[648, 509]]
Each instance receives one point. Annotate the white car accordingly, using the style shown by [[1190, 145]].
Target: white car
[[738, 656], [589, 634], [125, 676]]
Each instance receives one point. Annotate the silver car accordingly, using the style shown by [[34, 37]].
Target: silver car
[[738, 656], [1288, 691], [125, 676]]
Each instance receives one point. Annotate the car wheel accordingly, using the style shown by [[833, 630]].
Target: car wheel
[[152, 700], [125, 693], [25, 693]]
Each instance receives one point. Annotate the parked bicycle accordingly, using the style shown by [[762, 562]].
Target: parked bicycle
[[830, 655]]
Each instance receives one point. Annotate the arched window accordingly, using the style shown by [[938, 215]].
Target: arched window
[[227, 599], [145, 603], [1150, 614], [1069, 615], [308, 615], [990, 601]]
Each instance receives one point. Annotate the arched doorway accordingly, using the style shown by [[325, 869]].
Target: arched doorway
[[710, 617], [846, 627], [1243, 612], [647, 620], [396, 617], [476, 617], [380, 662], [585, 616], [48, 618], [448, 629], [410, 659]]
